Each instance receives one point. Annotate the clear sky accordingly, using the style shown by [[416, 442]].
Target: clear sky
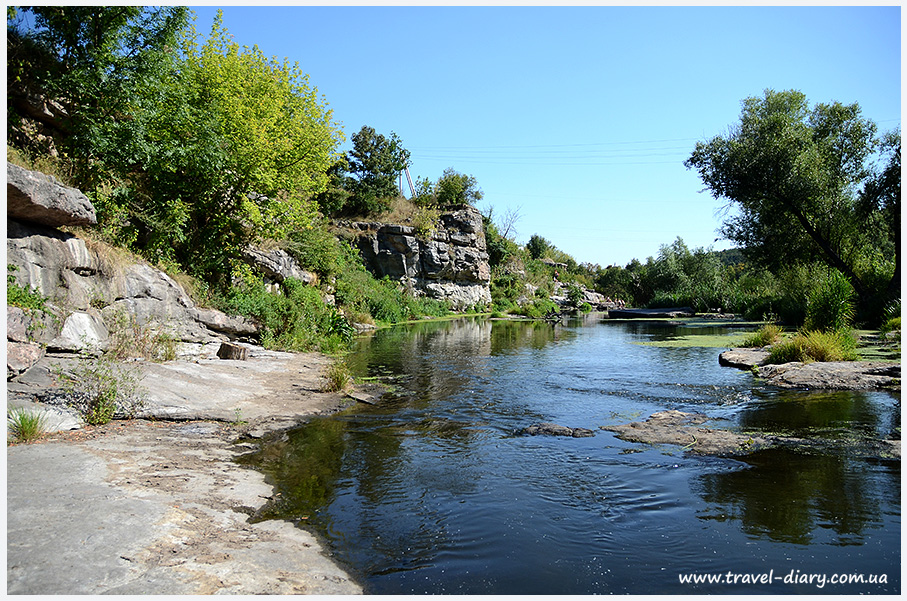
[[580, 118]]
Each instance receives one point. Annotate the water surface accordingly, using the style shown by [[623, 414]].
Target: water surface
[[434, 491]]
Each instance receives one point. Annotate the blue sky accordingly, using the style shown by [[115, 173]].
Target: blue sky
[[580, 118]]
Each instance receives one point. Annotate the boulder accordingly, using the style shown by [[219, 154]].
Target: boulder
[[233, 352], [20, 356], [38, 198], [81, 330], [278, 265], [233, 326]]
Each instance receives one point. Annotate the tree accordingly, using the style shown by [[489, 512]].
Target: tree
[[454, 188], [375, 162], [537, 246], [794, 173]]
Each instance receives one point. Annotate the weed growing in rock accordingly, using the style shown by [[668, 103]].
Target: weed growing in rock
[[99, 388], [129, 338], [24, 425], [19, 296]]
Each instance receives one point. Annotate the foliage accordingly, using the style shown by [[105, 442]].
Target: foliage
[[182, 148], [538, 308], [99, 388], [373, 166], [297, 320], [830, 305], [538, 247], [807, 346], [25, 425], [766, 335], [20, 296], [455, 188], [792, 171], [316, 249]]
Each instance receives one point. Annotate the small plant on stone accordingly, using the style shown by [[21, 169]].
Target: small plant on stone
[[24, 425], [19, 296], [767, 335], [100, 388], [129, 338]]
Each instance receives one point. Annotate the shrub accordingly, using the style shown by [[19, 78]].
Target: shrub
[[99, 388], [809, 346], [25, 425], [538, 308], [830, 305], [764, 336]]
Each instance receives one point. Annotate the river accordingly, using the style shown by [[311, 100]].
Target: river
[[435, 491]]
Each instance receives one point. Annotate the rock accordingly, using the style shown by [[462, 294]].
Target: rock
[[81, 331], [549, 429], [231, 351], [834, 375], [743, 358], [20, 356], [17, 322], [450, 265], [278, 265], [38, 198], [219, 321], [677, 428], [73, 275]]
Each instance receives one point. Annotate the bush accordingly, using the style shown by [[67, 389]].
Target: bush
[[316, 249], [338, 376], [25, 425], [128, 338], [538, 308], [298, 320], [99, 388], [808, 346]]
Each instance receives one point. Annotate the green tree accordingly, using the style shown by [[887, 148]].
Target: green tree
[[538, 247], [375, 162], [454, 188], [793, 171]]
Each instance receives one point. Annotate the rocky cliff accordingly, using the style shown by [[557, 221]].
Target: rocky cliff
[[89, 286], [450, 263]]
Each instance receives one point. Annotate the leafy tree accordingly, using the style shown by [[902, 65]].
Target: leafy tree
[[794, 172], [93, 61], [537, 246], [454, 188], [374, 164]]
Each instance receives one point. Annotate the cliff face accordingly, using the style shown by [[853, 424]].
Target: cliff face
[[451, 264]]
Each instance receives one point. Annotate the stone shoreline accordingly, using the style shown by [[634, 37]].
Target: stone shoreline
[[159, 507]]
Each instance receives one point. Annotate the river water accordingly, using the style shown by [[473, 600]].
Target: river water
[[434, 491]]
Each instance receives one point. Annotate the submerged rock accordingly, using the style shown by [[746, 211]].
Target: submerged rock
[[549, 429]]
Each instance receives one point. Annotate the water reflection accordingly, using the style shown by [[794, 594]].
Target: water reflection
[[433, 490], [792, 497]]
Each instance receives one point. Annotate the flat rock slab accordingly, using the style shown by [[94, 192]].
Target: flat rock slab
[[549, 429], [680, 428], [151, 508], [834, 375]]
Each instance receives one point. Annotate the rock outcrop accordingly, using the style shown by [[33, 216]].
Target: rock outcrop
[[450, 264], [40, 198], [88, 286]]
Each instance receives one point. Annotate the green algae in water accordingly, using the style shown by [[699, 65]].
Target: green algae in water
[[698, 340]]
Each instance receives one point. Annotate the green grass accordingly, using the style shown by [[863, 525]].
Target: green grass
[[766, 335], [808, 346], [24, 425]]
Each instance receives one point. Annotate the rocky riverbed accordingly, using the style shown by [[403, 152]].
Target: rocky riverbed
[[147, 506]]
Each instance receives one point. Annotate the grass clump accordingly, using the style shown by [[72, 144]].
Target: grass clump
[[130, 339], [24, 425], [808, 346], [337, 377], [767, 335]]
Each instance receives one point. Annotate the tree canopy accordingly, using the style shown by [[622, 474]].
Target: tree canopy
[[795, 174], [373, 165]]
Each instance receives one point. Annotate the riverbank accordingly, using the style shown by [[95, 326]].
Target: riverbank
[[159, 507]]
